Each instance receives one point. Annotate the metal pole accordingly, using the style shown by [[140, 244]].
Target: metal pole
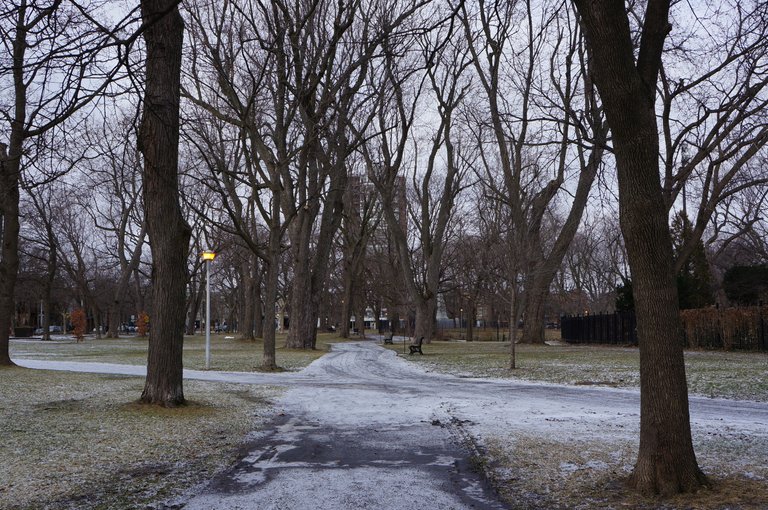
[[207, 314]]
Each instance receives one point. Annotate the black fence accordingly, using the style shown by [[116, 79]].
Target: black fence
[[614, 328], [709, 328]]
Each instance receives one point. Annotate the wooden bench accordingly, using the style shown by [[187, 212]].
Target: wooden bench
[[414, 348], [388, 339]]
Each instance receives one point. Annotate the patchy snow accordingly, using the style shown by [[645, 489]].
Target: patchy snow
[[372, 399]]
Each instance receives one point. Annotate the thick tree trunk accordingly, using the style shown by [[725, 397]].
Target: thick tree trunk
[[360, 316], [666, 461], [114, 320], [9, 264], [269, 361], [169, 233], [471, 322], [425, 319], [533, 322], [97, 323], [272, 278], [346, 304], [302, 333], [303, 326]]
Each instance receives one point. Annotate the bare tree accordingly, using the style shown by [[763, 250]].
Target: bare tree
[[362, 217], [114, 202], [45, 235], [713, 88], [435, 180], [42, 45], [666, 460], [169, 233], [546, 132]]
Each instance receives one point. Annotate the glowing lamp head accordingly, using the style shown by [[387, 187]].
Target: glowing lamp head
[[209, 255]]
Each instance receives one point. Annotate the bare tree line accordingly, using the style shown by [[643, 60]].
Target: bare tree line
[[429, 147]]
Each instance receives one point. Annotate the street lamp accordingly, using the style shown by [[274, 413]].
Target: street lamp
[[208, 256]]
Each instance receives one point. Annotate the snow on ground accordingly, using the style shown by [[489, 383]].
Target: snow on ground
[[360, 392]]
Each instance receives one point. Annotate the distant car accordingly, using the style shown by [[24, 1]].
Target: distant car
[[51, 329]]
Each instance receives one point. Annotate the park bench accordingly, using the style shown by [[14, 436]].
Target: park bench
[[417, 347], [388, 339]]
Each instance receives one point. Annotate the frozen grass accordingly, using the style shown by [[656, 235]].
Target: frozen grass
[[587, 475], [227, 354], [76, 441], [587, 471], [83, 449], [735, 375]]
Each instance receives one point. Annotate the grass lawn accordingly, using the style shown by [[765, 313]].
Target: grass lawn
[[73, 441], [735, 375], [227, 353], [80, 441]]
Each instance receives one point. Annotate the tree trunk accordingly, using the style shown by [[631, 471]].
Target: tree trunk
[[97, 322], [470, 322], [247, 315], [269, 361], [169, 233], [302, 333], [46, 322], [425, 319], [346, 303], [9, 265], [533, 322], [193, 305], [258, 304], [360, 316], [114, 319], [666, 461], [513, 330]]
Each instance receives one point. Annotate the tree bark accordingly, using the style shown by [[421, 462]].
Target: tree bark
[[533, 321], [302, 329], [666, 462], [9, 264], [193, 304], [269, 361], [10, 173], [169, 233], [258, 301], [247, 311], [425, 319]]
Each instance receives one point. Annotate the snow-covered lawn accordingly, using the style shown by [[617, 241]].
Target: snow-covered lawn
[[545, 445]]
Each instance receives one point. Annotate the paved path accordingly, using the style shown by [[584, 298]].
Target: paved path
[[362, 428]]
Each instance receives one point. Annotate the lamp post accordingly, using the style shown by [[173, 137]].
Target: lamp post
[[208, 256]]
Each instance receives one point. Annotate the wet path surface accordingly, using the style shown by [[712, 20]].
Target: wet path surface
[[307, 465], [360, 431]]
